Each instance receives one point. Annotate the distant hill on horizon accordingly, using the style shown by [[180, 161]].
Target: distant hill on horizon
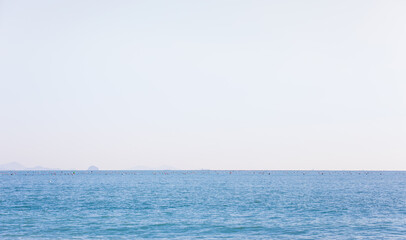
[[93, 168], [16, 166], [19, 167]]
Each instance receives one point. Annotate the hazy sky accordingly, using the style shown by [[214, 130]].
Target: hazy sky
[[203, 84]]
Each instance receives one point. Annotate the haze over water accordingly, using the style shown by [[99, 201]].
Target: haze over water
[[202, 204], [203, 84]]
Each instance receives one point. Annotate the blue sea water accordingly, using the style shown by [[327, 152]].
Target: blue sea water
[[202, 204]]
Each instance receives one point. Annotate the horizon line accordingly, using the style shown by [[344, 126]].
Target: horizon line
[[291, 170]]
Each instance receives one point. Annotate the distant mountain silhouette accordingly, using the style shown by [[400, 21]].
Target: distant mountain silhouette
[[17, 166], [93, 168], [12, 166]]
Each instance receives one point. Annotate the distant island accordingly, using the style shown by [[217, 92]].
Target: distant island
[[93, 168], [19, 167], [15, 166]]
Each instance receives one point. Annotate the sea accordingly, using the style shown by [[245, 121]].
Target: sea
[[204, 204]]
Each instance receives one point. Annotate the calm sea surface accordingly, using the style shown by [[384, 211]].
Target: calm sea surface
[[202, 204]]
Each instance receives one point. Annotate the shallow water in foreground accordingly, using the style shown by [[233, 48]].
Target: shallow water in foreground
[[202, 204]]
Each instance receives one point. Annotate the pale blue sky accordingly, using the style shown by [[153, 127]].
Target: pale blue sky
[[203, 84]]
